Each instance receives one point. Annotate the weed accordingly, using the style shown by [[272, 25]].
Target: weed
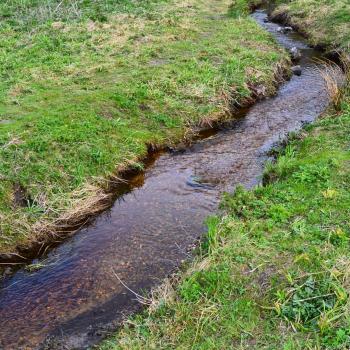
[[311, 303]]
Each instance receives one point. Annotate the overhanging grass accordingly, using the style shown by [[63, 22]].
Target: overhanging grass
[[83, 94], [326, 22], [276, 274]]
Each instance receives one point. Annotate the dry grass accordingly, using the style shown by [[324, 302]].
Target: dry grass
[[335, 77]]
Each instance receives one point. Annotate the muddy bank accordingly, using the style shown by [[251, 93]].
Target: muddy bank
[[71, 297]]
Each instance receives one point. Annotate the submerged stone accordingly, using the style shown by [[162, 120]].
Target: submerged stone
[[295, 53], [296, 70]]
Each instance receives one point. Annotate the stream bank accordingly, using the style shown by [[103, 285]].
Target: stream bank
[[276, 273], [73, 297], [135, 76], [326, 26]]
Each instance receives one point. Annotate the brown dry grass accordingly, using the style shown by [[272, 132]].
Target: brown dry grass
[[335, 77]]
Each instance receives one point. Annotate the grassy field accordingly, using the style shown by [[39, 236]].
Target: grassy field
[[325, 22], [86, 86], [274, 271]]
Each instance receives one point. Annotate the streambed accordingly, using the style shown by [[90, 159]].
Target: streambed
[[75, 297]]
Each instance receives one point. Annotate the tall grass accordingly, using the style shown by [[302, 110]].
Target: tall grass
[[336, 78]]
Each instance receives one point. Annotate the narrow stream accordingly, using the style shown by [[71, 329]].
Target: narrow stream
[[75, 297]]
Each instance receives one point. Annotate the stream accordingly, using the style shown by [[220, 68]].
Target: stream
[[75, 297]]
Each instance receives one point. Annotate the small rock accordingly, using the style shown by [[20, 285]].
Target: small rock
[[284, 30], [266, 20], [295, 53], [296, 70]]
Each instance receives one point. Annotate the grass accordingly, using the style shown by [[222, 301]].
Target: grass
[[86, 85], [325, 22], [274, 272]]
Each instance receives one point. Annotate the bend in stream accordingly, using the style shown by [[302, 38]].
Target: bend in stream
[[75, 297]]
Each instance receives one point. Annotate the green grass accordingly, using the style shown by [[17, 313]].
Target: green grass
[[86, 85], [274, 272], [326, 22], [29, 14]]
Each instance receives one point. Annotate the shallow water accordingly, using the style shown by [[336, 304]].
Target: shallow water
[[72, 300]]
